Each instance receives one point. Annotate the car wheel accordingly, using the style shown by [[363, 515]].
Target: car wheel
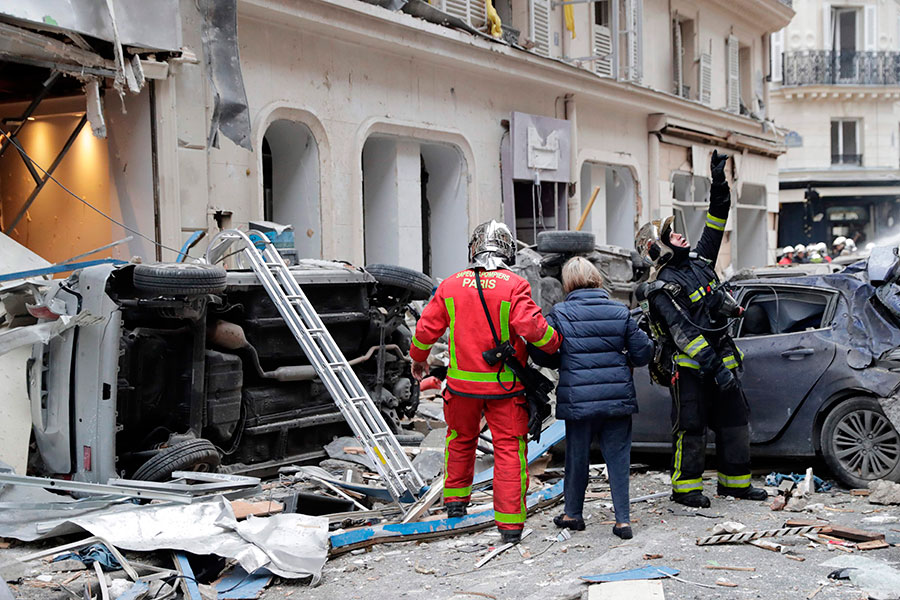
[[179, 279], [859, 443], [407, 280], [191, 455], [565, 241]]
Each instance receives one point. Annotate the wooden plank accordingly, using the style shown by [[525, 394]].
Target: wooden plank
[[873, 545], [243, 509], [724, 568], [849, 533], [633, 590]]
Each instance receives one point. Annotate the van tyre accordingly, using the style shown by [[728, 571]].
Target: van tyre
[[191, 455], [566, 241], [418, 284], [179, 279], [859, 444]]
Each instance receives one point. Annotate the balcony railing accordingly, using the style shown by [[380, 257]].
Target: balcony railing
[[827, 67], [847, 159]]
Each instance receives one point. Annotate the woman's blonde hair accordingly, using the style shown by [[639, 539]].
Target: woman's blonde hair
[[579, 273]]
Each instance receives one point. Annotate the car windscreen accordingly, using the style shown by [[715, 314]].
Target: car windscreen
[[782, 311]]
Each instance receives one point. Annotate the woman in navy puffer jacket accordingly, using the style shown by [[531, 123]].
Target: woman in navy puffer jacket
[[601, 344]]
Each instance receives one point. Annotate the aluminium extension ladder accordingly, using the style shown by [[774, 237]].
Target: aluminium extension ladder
[[332, 367]]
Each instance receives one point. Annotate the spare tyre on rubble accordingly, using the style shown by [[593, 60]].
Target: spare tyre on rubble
[[179, 279], [565, 241], [396, 279]]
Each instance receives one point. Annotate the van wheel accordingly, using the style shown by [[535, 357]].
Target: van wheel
[[191, 455], [859, 444], [418, 284], [179, 279], [565, 241]]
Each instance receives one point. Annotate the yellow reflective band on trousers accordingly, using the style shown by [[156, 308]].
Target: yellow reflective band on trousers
[[420, 345], [523, 510], [734, 481], [678, 484], [548, 335], [715, 222], [696, 345], [452, 492]]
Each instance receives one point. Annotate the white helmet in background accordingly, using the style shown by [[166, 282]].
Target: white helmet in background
[[850, 245], [869, 246], [799, 248], [821, 247], [787, 250], [838, 241]]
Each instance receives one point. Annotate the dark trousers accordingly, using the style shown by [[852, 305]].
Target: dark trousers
[[697, 404], [614, 436]]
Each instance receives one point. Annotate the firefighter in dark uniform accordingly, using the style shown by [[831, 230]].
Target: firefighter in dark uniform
[[689, 313]]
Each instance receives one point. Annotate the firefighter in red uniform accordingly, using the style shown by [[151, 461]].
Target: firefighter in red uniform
[[473, 386]]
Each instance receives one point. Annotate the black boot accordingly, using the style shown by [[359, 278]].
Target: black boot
[[747, 493], [455, 510], [693, 499], [565, 521], [511, 536]]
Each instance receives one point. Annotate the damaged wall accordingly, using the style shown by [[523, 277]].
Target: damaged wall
[[113, 175]]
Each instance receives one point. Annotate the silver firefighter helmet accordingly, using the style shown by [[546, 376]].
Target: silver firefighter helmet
[[492, 247], [649, 241]]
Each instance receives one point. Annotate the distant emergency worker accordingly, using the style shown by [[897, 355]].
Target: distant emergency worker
[[800, 254], [787, 256], [689, 313], [478, 312], [837, 246]]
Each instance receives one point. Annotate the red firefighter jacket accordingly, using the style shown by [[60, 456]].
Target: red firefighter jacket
[[515, 316]]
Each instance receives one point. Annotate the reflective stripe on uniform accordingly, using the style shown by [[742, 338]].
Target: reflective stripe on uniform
[[683, 360], [734, 481], [448, 492], [505, 375], [695, 296], [696, 345], [451, 312], [520, 516], [457, 492], [548, 335], [715, 222], [504, 320], [678, 484], [420, 345], [733, 362]]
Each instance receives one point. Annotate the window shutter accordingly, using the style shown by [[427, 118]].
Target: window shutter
[[734, 75], [539, 18], [776, 50], [634, 27], [678, 57], [603, 64], [473, 12], [827, 22], [871, 24], [705, 83]]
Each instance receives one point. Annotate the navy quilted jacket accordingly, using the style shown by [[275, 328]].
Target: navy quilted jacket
[[600, 343]]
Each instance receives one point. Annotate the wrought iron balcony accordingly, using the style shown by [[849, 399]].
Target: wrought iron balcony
[[828, 67], [847, 159]]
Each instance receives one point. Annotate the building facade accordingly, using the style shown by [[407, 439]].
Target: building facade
[[836, 87], [385, 135]]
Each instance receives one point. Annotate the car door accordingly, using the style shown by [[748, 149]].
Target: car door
[[785, 336]]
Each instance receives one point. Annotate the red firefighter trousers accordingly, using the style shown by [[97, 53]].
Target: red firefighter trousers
[[507, 419]]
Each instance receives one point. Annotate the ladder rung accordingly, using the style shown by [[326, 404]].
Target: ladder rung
[[293, 297], [338, 365]]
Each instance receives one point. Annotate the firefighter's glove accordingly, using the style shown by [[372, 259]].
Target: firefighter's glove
[[725, 379], [537, 412], [717, 167]]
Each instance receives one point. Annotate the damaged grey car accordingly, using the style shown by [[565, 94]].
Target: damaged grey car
[[190, 367]]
